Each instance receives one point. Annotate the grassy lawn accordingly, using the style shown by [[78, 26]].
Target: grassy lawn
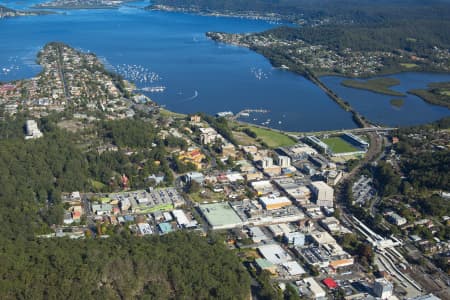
[[377, 85], [97, 185], [243, 139], [272, 138], [207, 196], [168, 113], [408, 65], [338, 145]]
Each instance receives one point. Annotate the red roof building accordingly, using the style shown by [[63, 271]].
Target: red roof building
[[330, 283]]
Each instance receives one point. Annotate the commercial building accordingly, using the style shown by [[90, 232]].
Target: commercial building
[[295, 238], [284, 161], [265, 265], [325, 252], [274, 253], [101, 209], [271, 202], [314, 289], [253, 175], [220, 215], [262, 187], [165, 228], [341, 263], [32, 129], [280, 229], [298, 151], [195, 176], [181, 218], [272, 171], [144, 229], [322, 237], [333, 177], [331, 224], [148, 201], [266, 162], [323, 192], [252, 212], [293, 268], [319, 161], [396, 219], [257, 234], [295, 189], [383, 288]]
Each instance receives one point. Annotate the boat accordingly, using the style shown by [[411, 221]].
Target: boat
[[153, 89]]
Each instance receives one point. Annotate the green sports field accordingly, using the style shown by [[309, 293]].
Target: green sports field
[[338, 145]]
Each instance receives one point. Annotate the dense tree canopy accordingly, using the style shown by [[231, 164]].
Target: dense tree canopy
[[34, 173]]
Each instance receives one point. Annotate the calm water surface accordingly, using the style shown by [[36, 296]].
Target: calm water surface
[[170, 49], [377, 107]]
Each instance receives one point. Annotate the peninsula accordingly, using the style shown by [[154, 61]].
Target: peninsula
[[105, 195], [69, 79], [436, 93], [6, 12]]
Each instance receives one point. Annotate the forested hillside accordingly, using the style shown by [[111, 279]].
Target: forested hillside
[[353, 11], [35, 172], [419, 36]]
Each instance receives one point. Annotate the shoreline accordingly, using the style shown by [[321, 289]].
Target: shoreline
[[74, 7], [315, 77], [212, 13], [358, 119]]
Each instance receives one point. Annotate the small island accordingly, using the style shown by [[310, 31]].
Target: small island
[[397, 102], [436, 93], [377, 85]]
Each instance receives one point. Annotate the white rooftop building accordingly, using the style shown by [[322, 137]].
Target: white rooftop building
[[144, 228], [284, 161], [270, 203], [316, 291], [293, 268], [181, 217], [274, 253], [266, 162], [32, 129], [323, 192], [383, 288]]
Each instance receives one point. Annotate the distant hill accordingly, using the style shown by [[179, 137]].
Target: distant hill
[[354, 11]]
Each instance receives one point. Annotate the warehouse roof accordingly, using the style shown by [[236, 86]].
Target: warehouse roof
[[274, 253], [274, 200], [220, 215]]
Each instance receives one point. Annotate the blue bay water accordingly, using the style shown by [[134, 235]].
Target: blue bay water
[[199, 74], [377, 107], [174, 46]]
